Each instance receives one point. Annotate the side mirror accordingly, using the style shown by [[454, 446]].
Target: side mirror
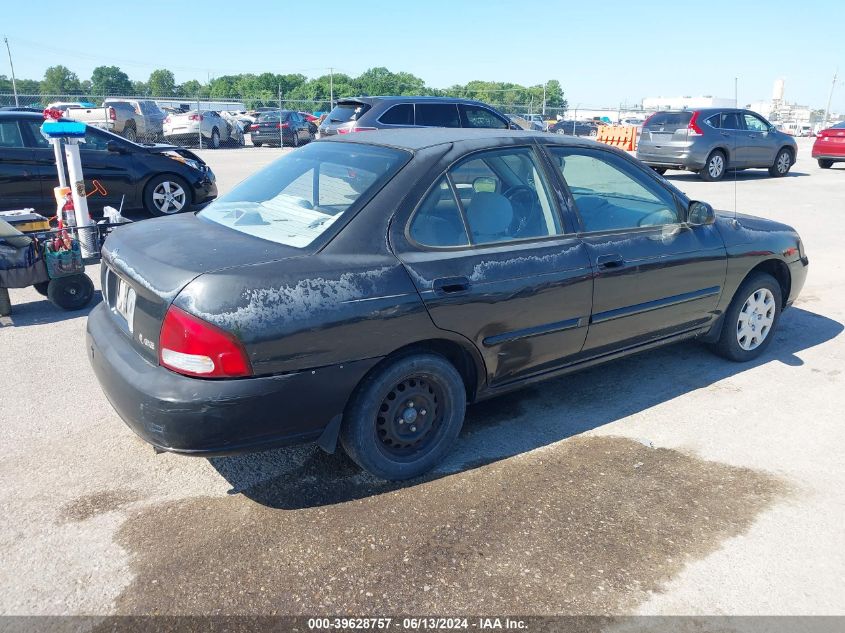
[[700, 214], [116, 148], [484, 183]]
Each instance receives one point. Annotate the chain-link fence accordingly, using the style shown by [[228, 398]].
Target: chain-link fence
[[219, 122]]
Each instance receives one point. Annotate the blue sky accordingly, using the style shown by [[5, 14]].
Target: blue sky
[[603, 53]]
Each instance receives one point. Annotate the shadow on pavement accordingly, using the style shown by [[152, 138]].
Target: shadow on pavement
[[304, 476], [41, 311], [744, 175]]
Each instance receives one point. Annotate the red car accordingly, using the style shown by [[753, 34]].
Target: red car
[[829, 147]]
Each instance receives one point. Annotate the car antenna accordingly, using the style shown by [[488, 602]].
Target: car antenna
[[736, 105]]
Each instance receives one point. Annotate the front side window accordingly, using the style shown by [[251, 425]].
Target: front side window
[[755, 124], [437, 115], [475, 116], [611, 194], [402, 114], [299, 196]]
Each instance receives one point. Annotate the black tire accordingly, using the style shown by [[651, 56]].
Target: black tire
[[214, 143], [130, 133], [405, 416], [729, 345], [714, 167], [782, 164], [825, 163], [659, 170], [41, 287], [153, 203], [295, 140], [254, 144], [71, 293]]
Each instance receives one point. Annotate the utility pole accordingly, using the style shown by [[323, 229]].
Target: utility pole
[[544, 99], [331, 88], [829, 99], [14, 85]]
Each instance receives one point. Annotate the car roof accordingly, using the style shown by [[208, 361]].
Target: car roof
[[411, 99], [8, 114], [416, 138]]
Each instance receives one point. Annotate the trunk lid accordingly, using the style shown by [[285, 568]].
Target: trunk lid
[[667, 127], [157, 258]]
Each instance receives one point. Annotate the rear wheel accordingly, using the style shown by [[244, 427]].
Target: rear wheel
[[214, 143], [714, 166], [825, 163], [750, 319], [71, 293], [782, 164], [659, 170], [256, 144], [403, 418], [130, 134]]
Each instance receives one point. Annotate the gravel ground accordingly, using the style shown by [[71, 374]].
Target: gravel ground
[[669, 483]]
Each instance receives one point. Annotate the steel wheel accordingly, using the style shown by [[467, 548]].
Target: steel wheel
[[409, 416], [755, 319], [169, 197]]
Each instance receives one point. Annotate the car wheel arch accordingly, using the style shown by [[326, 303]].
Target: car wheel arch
[[777, 269]]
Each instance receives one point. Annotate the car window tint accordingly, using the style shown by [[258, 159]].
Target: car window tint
[[287, 204], [753, 124], [475, 116], [10, 134], [438, 221], [505, 197], [714, 121], [437, 115], [402, 114], [95, 141], [610, 194], [731, 121], [668, 121], [35, 128]]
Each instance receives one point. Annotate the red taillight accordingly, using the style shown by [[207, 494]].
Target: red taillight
[[692, 128], [112, 114], [190, 346], [347, 130], [649, 118], [195, 117], [282, 125]]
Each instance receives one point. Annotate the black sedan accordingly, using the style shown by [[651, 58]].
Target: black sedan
[[281, 128], [368, 287], [575, 128], [163, 179]]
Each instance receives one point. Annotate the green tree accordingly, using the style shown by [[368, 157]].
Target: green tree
[[110, 80], [140, 88], [192, 89], [59, 80], [380, 81], [161, 83]]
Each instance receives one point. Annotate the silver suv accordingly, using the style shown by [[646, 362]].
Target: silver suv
[[713, 140]]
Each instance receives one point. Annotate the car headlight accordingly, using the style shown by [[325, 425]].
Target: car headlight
[[190, 162]]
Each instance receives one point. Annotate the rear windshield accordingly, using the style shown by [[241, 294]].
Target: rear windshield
[[344, 112], [839, 125], [271, 116], [298, 197], [669, 121]]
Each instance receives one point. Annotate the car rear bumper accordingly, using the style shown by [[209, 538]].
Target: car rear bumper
[[272, 137], [214, 417], [827, 149], [676, 158]]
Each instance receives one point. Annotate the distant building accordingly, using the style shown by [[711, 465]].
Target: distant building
[[688, 103]]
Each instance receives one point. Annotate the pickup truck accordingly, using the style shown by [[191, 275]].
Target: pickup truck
[[133, 120]]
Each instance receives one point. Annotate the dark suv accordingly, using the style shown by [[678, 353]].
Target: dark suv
[[360, 114], [713, 140]]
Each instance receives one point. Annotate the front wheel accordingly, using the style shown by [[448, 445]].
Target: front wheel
[[166, 195], [751, 318], [782, 164], [404, 417], [825, 163], [714, 167]]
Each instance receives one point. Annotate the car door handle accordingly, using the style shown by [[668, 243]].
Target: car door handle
[[610, 261], [451, 285], [725, 134]]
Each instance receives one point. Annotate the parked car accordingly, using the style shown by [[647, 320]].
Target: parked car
[[184, 128], [117, 118], [163, 179], [368, 286], [361, 114], [537, 122], [312, 121], [148, 119], [713, 140], [575, 128], [279, 128], [64, 105], [829, 146]]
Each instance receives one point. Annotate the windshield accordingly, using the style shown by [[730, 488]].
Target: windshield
[[298, 197], [344, 112]]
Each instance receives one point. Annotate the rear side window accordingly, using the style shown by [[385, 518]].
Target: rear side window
[[438, 115], [10, 134], [731, 121], [668, 121], [347, 111], [438, 221], [475, 116], [714, 121], [402, 114]]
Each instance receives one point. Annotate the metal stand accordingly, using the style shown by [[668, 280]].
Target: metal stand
[[86, 228]]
